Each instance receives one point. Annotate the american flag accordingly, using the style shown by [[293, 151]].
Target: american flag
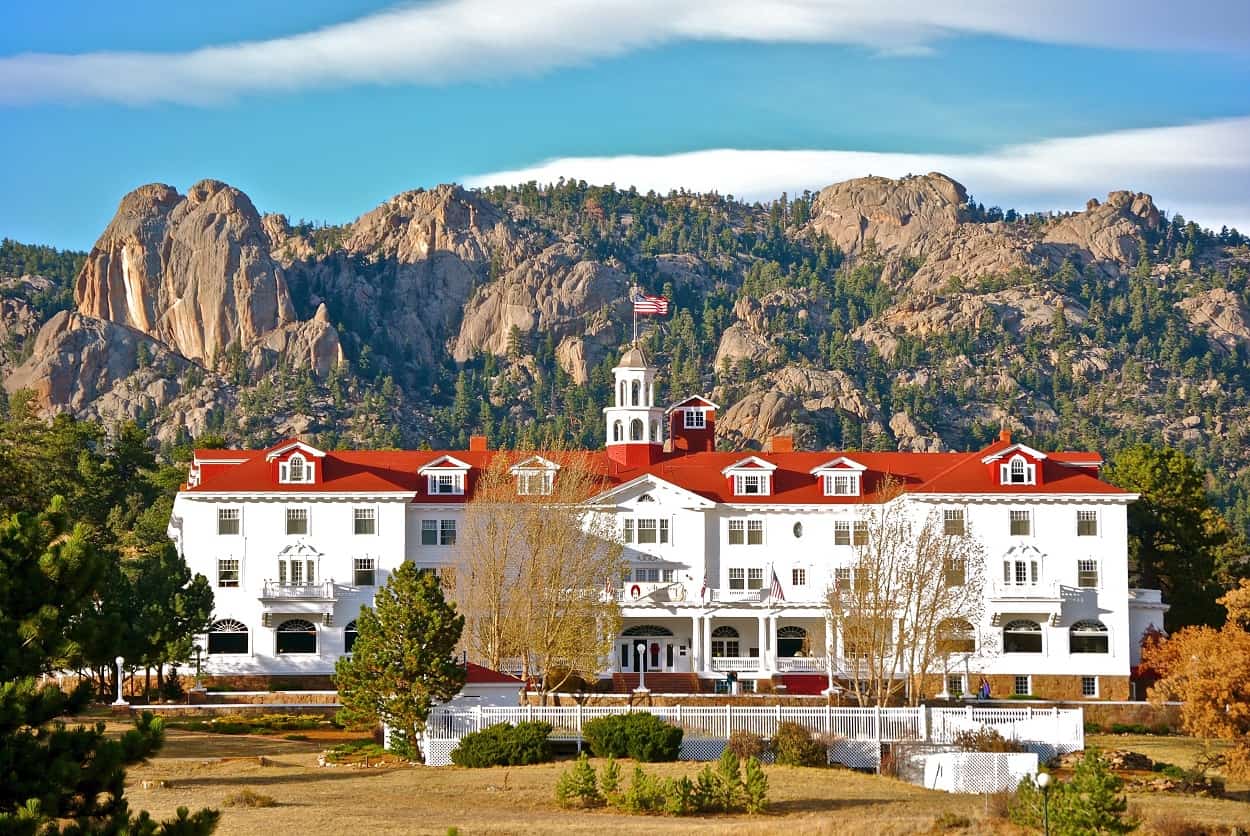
[[649, 305], [774, 589]]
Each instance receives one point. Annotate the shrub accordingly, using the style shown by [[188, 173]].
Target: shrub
[[504, 744], [727, 794], [1129, 728], [793, 745], [641, 736], [610, 779], [578, 787], [755, 786], [985, 740], [1092, 728], [249, 798], [1090, 802], [951, 821], [645, 793], [746, 744], [679, 797]]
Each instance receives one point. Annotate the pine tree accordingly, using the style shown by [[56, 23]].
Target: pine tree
[[402, 661]]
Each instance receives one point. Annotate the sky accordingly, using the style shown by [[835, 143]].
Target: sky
[[321, 110]]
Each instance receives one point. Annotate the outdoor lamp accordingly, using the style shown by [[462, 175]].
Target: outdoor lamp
[[1043, 782]]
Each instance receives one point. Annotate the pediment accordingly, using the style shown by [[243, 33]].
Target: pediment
[[660, 491]]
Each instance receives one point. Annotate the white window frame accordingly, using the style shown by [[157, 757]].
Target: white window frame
[[429, 527], [843, 579], [307, 470], [1024, 515], [737, 578], [224, 515], [293, 512], [1087, 515], [364, 513], [1017, 471], [223, 566], [842, 532], [859, 533], [364, 564], [798, 576], [752, 484], [1092, 692], [755, 577], [1028, 684], [445, 484], [841, 484], [738, 528], [445, 526], [535, 482], [1085, 565], [954, 518], [755, 532], [694, 419]]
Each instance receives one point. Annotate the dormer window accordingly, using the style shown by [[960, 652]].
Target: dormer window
[[751, 484], [840, 477], [695, 419], [1018, 471], [444, 476], [446, 483], [751, 476], [841, 484], [535, 483], [296, 470]]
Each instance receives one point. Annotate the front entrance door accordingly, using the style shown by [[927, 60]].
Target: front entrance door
[[659, 654]]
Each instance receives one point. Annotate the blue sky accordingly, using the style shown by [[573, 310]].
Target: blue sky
[[323, 109]]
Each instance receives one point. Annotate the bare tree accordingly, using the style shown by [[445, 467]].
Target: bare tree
[[903, 608], [532, 567]]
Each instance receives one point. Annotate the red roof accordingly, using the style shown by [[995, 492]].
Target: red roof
[[389, 471], [478, 675]]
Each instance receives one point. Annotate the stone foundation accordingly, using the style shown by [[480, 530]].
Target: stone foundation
[[264, 682]]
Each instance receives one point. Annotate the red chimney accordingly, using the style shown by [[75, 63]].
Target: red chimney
[[1004, 435], [781, 444], [477, 443]]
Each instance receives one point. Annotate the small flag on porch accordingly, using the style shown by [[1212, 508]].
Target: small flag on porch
[[648, 305], [774, 589]]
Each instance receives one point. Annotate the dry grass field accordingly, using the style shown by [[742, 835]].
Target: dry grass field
[[202, 770]]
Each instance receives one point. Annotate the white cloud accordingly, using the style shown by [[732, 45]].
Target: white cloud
[[462, 40], [1200, 170]]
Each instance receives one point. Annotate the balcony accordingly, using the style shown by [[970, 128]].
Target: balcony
[[802, 664], [725, 664], [1042, 592], [736, 596], [656, 593], [274, 591]]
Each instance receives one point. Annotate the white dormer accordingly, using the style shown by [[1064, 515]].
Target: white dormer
[[751, 476], [297, 462], [841, 477], [1017, 464], [445, 476], [535, 476]]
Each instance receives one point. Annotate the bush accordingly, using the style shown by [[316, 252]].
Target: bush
[[1092, 728], [641, 736], [985, 740], [951, 821], [727, 792], [746, 744], [793, 745], [578, 787], [249, 798], [504, 744], [645, 793], [1092, 801], [1129, 728], [610, 780], [755, 786]]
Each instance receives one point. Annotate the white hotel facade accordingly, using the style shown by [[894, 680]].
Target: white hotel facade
[[296, 539]]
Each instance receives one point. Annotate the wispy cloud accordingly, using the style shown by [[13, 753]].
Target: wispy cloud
[[464, 40], [1200, 170]]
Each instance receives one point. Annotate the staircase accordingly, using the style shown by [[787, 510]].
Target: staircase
[[659, 683]]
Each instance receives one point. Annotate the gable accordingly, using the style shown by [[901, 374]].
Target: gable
[[660, 489]]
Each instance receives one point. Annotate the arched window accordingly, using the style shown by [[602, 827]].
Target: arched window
[[296, 636], [956, 635], [635, 390], [646, 630], [295, 466], [1022, 637], [1018, 472], [635, 430], [227, 636], [349, 637], [1088, 637], [620, 398], [655, 432], [618, 431], [791, 641], [725, 643]]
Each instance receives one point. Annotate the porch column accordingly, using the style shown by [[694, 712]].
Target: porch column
[[696, 644], [707, 643], [829, 648], [773, 655], [763, 642]]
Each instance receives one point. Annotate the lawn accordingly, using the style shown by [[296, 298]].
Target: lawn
[[201, 770]]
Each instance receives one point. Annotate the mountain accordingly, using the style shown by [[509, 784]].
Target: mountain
[[874, 313]]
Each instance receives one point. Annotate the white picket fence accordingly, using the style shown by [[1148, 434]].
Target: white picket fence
[[1045, 731]]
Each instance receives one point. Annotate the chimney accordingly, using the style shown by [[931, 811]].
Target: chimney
[[781, 444], [477, 443], [1004, 435]]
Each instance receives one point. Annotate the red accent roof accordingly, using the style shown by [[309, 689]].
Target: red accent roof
[[388, 471], [478, 675]]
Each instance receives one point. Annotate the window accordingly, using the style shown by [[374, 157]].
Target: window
[[228, 572], [1022, 637], [725, 643], [737, 532], [1088, 637], [841, 484], [446, 483], [861, 534], [1021, 573], [635, 430], [1020, 523], [447, 532], [1018, 472], [365, 521], [295, 470], [755, 532], [649, 531], [227, 636], [228, 520], [635, 391], [695, 419], [535, 482], [750, 484], [296, 572], [953, 522], [429, 532], [755, 578], [1021, 686], [296, 521], [798, 577], [737, 579], [296, 636], [798, 530], [363, 571], [1089, 686], [842, 579], [1087, 574], [955, 685], [349, 637], [618, 431], [627, 530], [956, 635], [647, 575], [1086, 523], [842, 533], [956, 571]]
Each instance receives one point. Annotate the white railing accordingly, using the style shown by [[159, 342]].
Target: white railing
[[309, 591], [806, 664], [743, 596], [1051, 731], [725, 664], [1043, 591]]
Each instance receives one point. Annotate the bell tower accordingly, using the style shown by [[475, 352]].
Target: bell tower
[[634, 424]]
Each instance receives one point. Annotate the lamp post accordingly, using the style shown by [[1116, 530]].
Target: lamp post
[[199, 686], [119, 700], [641, 647], [1043, 782]]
